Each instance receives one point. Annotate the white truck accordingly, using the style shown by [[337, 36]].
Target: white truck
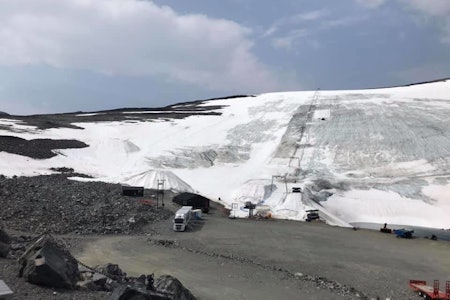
[[182, 218]]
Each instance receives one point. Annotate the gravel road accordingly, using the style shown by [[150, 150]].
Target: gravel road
[[221, 258]]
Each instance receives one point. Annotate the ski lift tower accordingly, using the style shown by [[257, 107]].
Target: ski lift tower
[[160, 192]]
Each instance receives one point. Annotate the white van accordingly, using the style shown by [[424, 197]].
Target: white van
[[182, 218]]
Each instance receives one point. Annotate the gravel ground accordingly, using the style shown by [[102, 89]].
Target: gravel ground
[[220, 258], [58, 205]]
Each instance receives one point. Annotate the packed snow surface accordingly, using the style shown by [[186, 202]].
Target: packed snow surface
[[380, 155]]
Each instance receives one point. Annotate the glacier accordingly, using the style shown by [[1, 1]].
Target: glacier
[[375, 155]]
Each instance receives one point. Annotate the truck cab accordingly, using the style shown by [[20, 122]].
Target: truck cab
[[182, 218]]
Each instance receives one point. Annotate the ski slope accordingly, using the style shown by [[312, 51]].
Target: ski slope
[[379, 155]]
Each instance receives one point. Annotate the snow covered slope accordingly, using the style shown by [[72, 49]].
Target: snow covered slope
[[380, 155]]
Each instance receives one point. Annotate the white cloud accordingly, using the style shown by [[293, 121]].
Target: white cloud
[[371, 3], [343, 22], [436, 11], [130, 37], [287, 41], [295, 20], [308, 16], [431, 7]]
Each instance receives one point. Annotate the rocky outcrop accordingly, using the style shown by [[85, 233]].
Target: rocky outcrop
[[47, 263]]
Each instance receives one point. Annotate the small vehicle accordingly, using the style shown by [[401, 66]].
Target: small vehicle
[[296, 190], [312, 214], [404, 233], [182, 218]]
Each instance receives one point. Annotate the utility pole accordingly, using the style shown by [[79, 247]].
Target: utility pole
[[160, 192]]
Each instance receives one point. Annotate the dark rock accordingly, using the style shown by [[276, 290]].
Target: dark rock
[[4, 249], [4, 236], [112, 271], [50, 264], [126, 292], [37, 148], [63, 170], [92, 281], [5, 242], [170, 285]]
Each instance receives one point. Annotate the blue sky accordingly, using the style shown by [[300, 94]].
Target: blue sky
[[87, 55]]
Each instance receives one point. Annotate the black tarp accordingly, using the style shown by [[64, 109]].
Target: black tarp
[[194, 200]]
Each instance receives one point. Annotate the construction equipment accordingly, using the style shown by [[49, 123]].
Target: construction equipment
[[385, 229], [430, 292], [312, 214]]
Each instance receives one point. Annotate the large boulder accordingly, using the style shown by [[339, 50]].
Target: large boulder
[[5, 242], [170, 285], [48, 263]]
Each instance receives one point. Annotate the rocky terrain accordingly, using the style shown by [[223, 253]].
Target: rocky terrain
[[36, 148], [58, 205], [33, 207]]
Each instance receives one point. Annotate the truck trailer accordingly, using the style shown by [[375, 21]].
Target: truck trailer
[[182, 218]]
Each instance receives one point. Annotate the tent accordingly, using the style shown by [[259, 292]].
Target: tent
[[194, 200]]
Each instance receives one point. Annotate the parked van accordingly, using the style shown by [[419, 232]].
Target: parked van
[[182, 218]]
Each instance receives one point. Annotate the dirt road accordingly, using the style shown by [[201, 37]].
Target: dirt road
[[220, 258]]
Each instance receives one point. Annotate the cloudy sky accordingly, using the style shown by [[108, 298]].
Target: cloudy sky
[[87, 55]]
